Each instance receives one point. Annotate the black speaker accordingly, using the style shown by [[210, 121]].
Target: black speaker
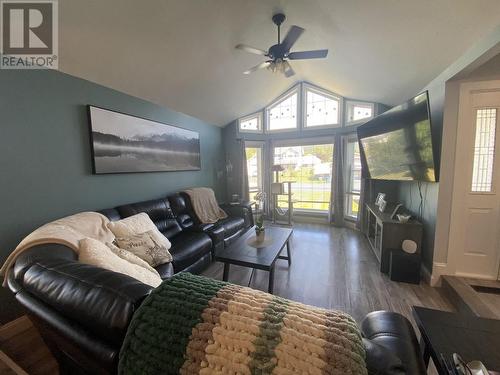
[[404, 267]]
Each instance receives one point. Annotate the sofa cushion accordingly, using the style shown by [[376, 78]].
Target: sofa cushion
[[188, 247], [159, 212], [231, 225]]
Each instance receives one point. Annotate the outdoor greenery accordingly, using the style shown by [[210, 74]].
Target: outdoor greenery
[[310, 190], [250, 152]]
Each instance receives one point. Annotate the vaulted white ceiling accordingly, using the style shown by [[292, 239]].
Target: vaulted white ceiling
[[180, 53]]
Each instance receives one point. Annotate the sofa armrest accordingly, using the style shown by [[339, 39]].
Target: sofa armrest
[[35, 253], [201, 227], [380, 360], [394, 332], [215, 232], [100, 300], [243, 210]]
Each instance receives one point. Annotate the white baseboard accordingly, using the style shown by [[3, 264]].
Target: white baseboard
[[438, 270], [441, 269], [474, 276]]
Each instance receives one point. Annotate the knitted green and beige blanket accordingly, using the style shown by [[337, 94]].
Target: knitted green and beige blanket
[[195, 325]]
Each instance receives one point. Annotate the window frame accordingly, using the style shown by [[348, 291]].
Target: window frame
[[308, 87], [260, 123], [357, 102], [349, 193], [287, 94], [261, 178]]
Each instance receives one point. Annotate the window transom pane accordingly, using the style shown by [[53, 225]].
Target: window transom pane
[[321, 109], [357, 112], [251, 123], [283, 115]]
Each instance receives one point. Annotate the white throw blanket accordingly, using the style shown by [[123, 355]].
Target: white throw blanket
[[67, 231], [205, 205]]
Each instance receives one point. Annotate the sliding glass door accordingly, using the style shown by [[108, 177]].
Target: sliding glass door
[[309, 167]]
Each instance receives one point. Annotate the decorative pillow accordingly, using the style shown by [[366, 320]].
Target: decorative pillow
[[96, 253], [129, 257], [137, 224], [148, 246]]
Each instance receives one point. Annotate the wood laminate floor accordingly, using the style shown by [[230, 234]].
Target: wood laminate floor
[[23, 345], [335, 268]]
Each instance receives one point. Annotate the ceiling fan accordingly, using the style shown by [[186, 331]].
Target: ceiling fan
[[279, 54]]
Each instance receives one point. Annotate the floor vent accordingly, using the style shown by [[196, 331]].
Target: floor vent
[[486, 289]]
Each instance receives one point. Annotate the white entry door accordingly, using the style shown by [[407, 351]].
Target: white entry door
[[475, 221]]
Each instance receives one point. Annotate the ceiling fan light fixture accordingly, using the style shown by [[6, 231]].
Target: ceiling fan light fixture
[[278, 66], [279, 54]]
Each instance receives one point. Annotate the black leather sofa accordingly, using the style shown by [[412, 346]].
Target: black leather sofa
[[83, 312], [193, 243]]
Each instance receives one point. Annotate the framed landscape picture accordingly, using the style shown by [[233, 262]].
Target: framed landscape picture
[[124, 143]]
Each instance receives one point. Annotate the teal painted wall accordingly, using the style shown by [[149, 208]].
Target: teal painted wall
[[45, 158]]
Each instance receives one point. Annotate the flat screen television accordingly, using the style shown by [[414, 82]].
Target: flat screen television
[[397, 145]]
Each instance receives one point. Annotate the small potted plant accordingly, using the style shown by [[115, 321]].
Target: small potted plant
[[259, 228]]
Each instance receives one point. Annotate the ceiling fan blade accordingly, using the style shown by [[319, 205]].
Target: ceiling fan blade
[[317, 54], [262, 65], [288, 70], [250, 49], [293, 34]]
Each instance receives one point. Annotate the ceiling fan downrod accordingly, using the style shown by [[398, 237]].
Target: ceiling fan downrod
[[278, 19]]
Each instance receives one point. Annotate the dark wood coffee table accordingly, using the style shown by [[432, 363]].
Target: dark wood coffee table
[[263, 258], [445, 333]]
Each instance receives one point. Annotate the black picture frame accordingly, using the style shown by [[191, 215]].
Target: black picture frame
[[125, 143]]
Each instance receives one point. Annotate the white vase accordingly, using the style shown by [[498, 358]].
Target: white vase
[[260, 235]]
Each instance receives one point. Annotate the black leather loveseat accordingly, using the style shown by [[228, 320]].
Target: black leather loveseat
[[83, 312]]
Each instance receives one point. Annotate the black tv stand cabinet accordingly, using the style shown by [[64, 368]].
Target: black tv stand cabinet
[[385, 234]]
